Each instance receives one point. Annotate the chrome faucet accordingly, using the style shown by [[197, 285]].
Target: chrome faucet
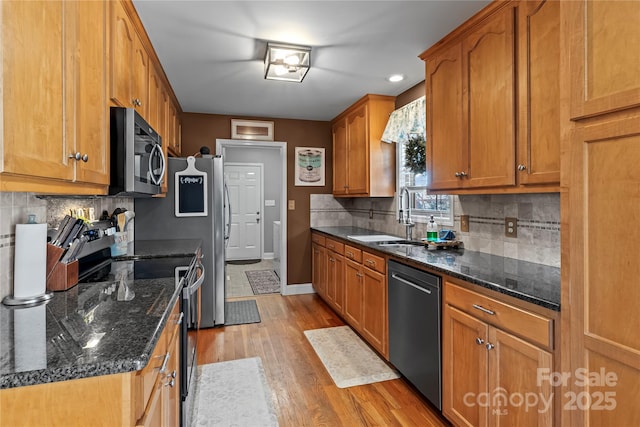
[[407, 222]]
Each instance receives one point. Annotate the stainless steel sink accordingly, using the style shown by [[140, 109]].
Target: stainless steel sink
[[374, 238]]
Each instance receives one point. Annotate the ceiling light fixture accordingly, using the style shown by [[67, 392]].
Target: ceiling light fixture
[[286, 62], [396, 78]]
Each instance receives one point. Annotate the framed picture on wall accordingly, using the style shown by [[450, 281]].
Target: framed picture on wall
[[309, 166], [251, 129]]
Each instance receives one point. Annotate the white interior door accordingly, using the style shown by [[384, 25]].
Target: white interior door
[[245, 193]]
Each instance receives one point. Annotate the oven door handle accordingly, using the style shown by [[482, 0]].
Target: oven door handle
[[192, 289]]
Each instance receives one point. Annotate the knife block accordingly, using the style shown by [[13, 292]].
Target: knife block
[[60, 276]]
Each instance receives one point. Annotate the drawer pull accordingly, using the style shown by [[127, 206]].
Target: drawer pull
[[370, 262], [349, 254], [484, 310], [360, 275]]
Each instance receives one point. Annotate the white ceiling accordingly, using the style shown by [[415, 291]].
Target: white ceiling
[[212, 51]]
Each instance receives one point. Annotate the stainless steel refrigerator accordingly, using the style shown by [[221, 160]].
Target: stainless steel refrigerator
[[156, 219]]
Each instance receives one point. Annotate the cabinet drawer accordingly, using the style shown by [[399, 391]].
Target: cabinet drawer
[[317, 238], [353, 253], [373, 262], [533, 327], [335, 246]]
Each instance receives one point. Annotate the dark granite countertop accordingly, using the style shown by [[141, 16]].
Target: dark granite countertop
[[91, 329], [535, 283]]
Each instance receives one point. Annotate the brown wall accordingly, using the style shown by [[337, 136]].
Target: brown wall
[[203, 129]]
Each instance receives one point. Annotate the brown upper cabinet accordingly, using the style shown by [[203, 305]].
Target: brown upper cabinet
[[473, 112], [129, 63], [60, 65], [605, 58], [59, 80], [363, 165]]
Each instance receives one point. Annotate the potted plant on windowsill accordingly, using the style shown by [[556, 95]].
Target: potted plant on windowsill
[[415, 154]]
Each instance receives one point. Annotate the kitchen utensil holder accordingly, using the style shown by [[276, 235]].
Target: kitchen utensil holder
[[60, 276]]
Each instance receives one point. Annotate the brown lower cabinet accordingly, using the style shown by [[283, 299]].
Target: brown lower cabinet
[[147, 397], [353, 283], [495, 360]]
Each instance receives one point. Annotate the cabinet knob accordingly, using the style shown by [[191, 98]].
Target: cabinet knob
[[490, 346], [171, 383], [463, 174], [75, 156], [136, 102], [522, 167], [479, 341], [85, 158], [457, 174]]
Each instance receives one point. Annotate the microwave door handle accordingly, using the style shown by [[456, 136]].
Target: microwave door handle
[[152, 175], [163, 165]]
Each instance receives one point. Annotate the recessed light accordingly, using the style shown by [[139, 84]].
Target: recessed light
[[396, 78]]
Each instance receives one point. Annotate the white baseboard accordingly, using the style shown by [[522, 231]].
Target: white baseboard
[[267, 255], [302, 288]]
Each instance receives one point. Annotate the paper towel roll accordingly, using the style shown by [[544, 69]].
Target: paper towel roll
[[30, 263]]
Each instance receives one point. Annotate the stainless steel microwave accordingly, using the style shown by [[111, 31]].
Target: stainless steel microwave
[[137, 160]]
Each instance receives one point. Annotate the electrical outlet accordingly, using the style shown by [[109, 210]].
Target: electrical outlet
[[464, 223], [511, 227], [292, 205]]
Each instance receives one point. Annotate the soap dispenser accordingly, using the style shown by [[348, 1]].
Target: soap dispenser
[[432, 230]]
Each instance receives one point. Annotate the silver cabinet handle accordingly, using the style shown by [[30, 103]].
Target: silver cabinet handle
[[457, 174], [85, 158], [179, 322], [463, 174], [490, 346], [522, 167], [484, 310], [479, 341], [165, 361]]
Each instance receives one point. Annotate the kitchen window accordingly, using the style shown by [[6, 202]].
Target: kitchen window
[[406, 125], [423, 205]]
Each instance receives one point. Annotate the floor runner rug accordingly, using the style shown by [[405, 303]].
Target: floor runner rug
[[347, 358], [263, 281], [233, 393], [241, 312]]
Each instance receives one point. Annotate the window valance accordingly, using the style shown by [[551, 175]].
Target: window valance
[[404, 121]]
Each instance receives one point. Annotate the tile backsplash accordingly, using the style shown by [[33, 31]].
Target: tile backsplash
[[14, 208], [538, 222]]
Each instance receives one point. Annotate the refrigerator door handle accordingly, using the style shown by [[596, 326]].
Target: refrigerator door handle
[[227, 226]]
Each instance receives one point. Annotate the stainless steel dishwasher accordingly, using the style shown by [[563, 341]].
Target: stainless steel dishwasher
[[414, 328]]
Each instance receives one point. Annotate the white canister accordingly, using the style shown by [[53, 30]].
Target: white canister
[[30, 262]]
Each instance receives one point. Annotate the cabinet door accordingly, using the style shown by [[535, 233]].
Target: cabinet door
[[123, 38], [605, 59], [374, 313], [90, 91], [33, 90], [353, 284], [539, 92], [155, 100], [140, 78], [489, 88], [514, 370], [171, 127], [358, 152], [319, 270], [444, 119], [605, 189], [464, 367], [340, 157], [335, 281], [171, 391]]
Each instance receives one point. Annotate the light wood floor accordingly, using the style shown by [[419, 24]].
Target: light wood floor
[[302, 391]]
